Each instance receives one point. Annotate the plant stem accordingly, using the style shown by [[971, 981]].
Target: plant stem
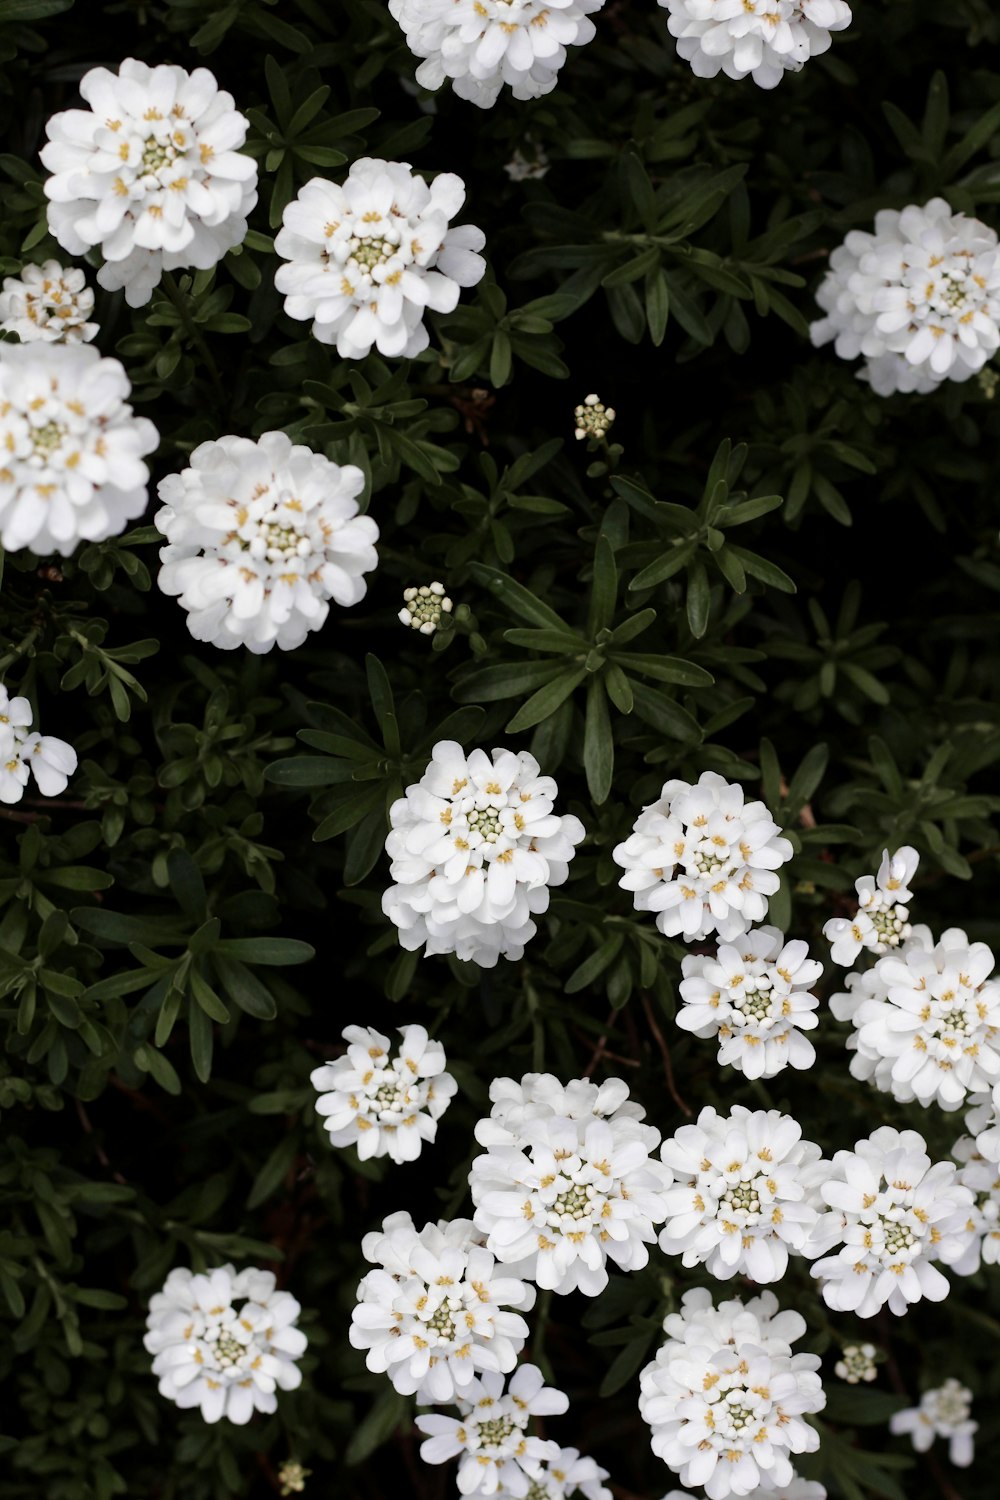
[[183, 306]]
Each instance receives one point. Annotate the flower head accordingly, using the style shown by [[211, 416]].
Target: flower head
[[703, 858], [365, 259], [797, 1488], [983, 1122], [982, 1227], [261, 536], [292, 1477], [528, 164], [386, 1106], [564, 1476], [856, 1364], [725, 1396], [754, 994], [943, 1412], [51, 761], [72, 468], [423, 607], [224, 1341], [490, 1436], [435, 1312], [893, 1213], [475, 845], [151, 172], [882, 920], [760, 38], [919, 298], [48, 304], [593, 419]]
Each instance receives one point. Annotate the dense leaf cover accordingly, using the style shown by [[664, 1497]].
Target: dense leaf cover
[[768, 572]]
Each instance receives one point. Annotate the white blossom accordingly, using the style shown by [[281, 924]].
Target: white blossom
[[562, 1477], [919, 298], [385, 1105], [481, 45], [893, 1213], [744, 1193], [926, 1020], [558, 1194], [797, 1488], [475, 845], [943, 1412], [983, 1122], [48, 304], [261, 535], [529, 164], [367, 258], [982, 1227], [51, 761], [224, 1341], [423, 607], [490, 1435], [856, 1364], [760, 38], [435, 1311], [152, 173], [592, 419], [704, 859], [755, 995], [725, 1396], [882, 920], [72, 449]]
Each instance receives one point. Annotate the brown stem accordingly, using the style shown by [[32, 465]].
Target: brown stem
[[668, 1067], [99, 1151]]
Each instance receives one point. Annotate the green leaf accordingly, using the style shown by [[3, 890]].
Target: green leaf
[[598, 742], [546, 700], [517, 599], [266, 950]]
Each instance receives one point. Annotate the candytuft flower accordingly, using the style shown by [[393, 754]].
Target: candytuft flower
[[151, 173], [982, 1228], [386, 1106], [481, 45], [224, 1341], [593, 418], [490, 1436], [423, 607], [760, 38], [856, 1364], [261, 536], [755, 996], [882, 921], [725, 1396], [983, 1122], [565, 1476], [943, 1412], [51, 761], [797, 1488], [365, 259], [72, 466], [48, 304], [919, 298], [703, 859], [475, 845]]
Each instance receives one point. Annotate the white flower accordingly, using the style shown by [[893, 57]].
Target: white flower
[[592, 418], [528, 168], [539, 1096], [943, 1412], [797, 1488], [490, 1436], [72, 466], [424, 606], [559, 1194], [386, 1106], [49, 304], [152, 173], [561, 1477], [926, 1020], [366, 258], [725, 1396], [762, 38], [224, 1341], [919, 298], [703, 859], [51, 761], [261, 536], [983, 1122], [856, 1364], [982, 1228], [475, 846], [755, 995], [483, 44], [744, 1192], [882, 921], [893, 1212], [431, 1315]]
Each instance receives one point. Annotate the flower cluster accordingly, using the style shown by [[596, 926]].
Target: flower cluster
[[919, 298], [490, 1435], [224, 1342], [725, 1396], [893, 1213], [926, 1020], [475, 846], [593, 419], [480, 45], [367, 258], [797, 1488], [152, 173], [423, 607], [943, 1412], [764, 39], [386, 1106], [51, 761], [72, 451], [703, 858], [567, 1181], [983, 1122], [744, 1194], [882, 921], [431, 1315], [755, 996], [48, 304], [856, 1364], [982, 1227], [260, 537], [566, 1475]]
